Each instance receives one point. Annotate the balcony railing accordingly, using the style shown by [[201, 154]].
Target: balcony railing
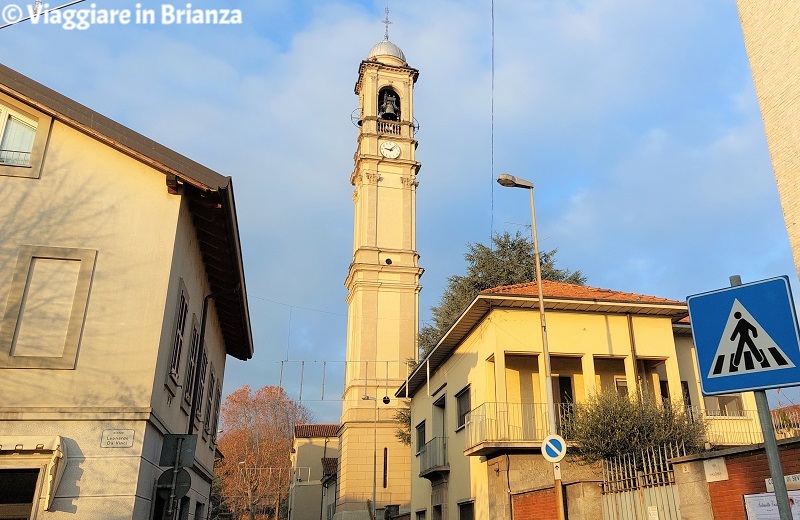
[[433, 455], [15, 157], [506, 423], [389, 127], [742, 427], [493, 426]]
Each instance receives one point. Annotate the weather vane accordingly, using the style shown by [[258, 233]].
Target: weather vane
[[386, 22]]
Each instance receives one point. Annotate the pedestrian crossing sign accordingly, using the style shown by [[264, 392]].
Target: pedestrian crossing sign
[[746, 337]]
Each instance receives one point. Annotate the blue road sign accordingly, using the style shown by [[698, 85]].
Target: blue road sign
[[554, 448], [746, 337]]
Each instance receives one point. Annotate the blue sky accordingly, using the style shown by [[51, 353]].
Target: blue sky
[[636, 119]]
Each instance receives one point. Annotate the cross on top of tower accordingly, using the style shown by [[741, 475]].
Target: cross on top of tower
[[386, 22]]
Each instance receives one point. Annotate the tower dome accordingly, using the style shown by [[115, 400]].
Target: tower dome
[[386, 48]]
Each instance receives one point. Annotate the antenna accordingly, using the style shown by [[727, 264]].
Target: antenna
[[386, 22]]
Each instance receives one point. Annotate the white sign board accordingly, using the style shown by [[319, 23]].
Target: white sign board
[[117, 439], [792, 482], [716, 470], [763, 506]]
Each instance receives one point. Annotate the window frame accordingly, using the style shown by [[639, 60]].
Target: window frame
[[212, 382], [191, 363], [201, 383], [420, 428], [215, 420], [14, 307], [461, 418], [466, 503], [179, 333], [6, 114], [727, 405], [44, 126]]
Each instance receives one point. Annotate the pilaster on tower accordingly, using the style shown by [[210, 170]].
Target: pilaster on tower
[[382, 283]]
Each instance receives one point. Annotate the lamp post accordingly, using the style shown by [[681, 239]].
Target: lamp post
[[374, 456], [509, 181]]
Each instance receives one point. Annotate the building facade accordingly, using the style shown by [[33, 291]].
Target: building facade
[[771, 38], [478, 400], [315, 451], [123, 288], [383, 287]]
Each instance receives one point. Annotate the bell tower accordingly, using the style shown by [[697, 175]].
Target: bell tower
[[383, 286]]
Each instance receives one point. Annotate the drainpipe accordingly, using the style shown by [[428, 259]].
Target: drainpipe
[[633, 354]]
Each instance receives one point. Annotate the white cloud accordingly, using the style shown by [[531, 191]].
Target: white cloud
[[636, 120]]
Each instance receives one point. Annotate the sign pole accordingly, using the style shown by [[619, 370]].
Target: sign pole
[[770, 443]]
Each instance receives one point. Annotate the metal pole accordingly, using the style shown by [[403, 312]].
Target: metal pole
[[770, 444], [547, 372], [375, 460]]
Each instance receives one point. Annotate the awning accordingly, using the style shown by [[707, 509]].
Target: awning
[[33, 444]]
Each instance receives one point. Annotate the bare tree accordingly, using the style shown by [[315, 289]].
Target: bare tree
[[256, 470]]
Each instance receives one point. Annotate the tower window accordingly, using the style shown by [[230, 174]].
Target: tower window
[[388, 104]]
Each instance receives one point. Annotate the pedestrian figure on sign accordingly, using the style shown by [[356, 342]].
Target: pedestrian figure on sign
[[743, 329]]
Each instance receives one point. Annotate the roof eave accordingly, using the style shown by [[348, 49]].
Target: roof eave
[[483, 303]]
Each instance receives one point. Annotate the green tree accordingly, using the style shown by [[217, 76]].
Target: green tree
[[508, 261], [611, 424]]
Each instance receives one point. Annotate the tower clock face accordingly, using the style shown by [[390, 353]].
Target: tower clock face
[[390, 149]]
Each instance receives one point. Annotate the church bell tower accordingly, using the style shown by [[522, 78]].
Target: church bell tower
[[383, 286]]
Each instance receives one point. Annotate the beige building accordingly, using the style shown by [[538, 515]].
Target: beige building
[[123, 292], [772, 39], [315, 453], [383, 288], [478, 399]]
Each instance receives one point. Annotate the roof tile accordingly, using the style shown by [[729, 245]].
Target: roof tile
[[329, 465], [551, 289], [304, 431]]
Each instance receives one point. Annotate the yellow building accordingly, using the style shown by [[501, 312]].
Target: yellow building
[[383, 287], [772, 42], [478, 399], [315, 452], [117, 256]]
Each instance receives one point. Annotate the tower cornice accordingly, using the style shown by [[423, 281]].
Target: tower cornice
[[378, 66]]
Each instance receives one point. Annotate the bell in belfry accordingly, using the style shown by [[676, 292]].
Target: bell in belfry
[[388, 108]]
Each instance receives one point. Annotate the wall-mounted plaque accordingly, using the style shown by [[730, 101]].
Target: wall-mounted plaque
[[117, 439]]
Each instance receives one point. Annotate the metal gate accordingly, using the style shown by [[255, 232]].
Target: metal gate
[[641, 486]]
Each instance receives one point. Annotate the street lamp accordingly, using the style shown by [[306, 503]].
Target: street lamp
[[374, 455], [509, 181]]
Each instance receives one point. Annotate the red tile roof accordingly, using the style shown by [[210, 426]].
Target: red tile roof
[[329, 466], [304, 431], [552, 289]]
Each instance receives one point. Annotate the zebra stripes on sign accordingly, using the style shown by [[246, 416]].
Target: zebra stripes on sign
[[746, 347]]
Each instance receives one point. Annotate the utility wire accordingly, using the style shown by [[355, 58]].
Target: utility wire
[[37, 14], [491, 181]]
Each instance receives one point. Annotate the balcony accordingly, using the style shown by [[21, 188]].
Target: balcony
[[433, 459], [389, 127], [508, 427], [742, 427], [495, 427]]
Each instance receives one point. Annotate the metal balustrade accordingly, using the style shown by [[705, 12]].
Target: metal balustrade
[[389, 127], [15, 157], [433, 455], [521, 423]]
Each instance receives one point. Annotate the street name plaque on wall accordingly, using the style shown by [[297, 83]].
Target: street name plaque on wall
[[117, 439]]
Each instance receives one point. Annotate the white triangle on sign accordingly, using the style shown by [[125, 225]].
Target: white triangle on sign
[[745, 347]]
